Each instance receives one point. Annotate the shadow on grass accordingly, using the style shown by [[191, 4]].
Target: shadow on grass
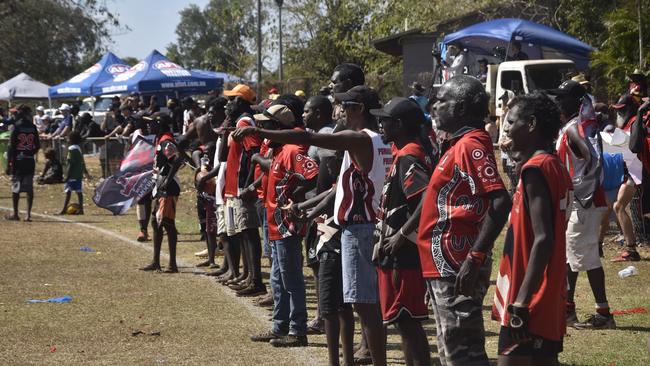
[[634, 328]]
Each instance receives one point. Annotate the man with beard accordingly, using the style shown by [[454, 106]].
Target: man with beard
[[465, 207]]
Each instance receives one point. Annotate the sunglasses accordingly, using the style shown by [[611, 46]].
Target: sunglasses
[[346, 104]]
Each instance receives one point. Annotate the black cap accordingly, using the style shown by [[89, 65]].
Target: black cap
[[188, 100], [417, 86], [569, 88], [126, 107], [400, 108], [360, 94]]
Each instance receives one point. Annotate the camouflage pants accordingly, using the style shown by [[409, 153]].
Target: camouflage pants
[[459, 320]]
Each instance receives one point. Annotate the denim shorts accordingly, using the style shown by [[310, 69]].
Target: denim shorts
[[359, 273]]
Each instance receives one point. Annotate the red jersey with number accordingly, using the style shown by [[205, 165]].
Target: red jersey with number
[[456, 202], [290, 169], [238, 164], [548, 304]]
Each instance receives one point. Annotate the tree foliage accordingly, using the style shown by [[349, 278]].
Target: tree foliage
[[219, 37], [52, 40]]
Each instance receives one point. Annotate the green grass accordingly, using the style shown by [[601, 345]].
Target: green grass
[[199, 322]]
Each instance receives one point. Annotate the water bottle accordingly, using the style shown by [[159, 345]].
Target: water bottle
[[627, 272], [205, 162]]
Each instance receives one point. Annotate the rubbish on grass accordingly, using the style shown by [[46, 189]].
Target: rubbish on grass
[[640, 310], [53, 349], [627, 272], [136, 333], [86, 249], [52, 299]]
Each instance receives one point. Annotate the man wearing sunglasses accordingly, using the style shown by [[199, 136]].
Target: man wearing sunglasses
[[363, 171]]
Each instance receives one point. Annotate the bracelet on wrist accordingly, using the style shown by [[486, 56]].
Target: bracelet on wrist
[[476, 256]]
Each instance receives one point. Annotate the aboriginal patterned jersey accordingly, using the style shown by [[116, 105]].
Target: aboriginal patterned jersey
[[405, 184], [456, 202], [357, 192], [548, 304], [290, 169], [239, 159]]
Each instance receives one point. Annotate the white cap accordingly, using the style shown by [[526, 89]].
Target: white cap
[[64, 107], [40, 108]]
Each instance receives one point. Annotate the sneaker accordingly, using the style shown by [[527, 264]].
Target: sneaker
[[597, 321], [265, 337], [571, 319], [289, 341], [316, 326], [265, 301], [251, 291], [628, 256]]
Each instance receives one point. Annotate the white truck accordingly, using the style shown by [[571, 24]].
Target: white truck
[[523, 77]]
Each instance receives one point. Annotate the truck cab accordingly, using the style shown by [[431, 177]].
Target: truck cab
[[523, 77]]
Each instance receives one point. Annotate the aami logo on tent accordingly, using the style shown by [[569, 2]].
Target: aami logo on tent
[[84, 75], [115, 69], [126, 75], [170, 69]]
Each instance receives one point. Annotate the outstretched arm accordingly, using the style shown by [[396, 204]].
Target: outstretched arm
[[355, 142]]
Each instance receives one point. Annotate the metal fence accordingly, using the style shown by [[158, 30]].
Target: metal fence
[[110, 151]]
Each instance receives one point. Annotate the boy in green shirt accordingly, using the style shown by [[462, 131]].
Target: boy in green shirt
[[74, 174]]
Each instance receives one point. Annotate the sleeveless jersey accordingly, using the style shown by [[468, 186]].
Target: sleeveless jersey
[[548, 303], [358, 193]]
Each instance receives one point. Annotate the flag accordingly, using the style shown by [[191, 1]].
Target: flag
[[131, 182]]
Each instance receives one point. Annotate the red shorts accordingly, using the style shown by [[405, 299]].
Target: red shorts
[[401, 291]]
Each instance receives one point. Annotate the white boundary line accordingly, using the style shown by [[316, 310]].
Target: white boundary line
[[302, 354]]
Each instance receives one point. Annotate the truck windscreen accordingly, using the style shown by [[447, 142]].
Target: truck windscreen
[[548, 76]]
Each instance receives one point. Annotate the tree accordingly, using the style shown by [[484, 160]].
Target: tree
[[219, 37], [52, 40], [618, 54]]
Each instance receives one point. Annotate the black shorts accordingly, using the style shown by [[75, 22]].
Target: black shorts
[[538, 347], [330, 284]]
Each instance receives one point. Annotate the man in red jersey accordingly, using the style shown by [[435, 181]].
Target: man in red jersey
[[291, 174], [464, 209], [242, 222], [530, 296], [399, 276]]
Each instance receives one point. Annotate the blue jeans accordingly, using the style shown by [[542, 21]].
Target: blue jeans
[[288, 283], [359, 273]]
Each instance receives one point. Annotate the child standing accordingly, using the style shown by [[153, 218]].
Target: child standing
[[74, 173]]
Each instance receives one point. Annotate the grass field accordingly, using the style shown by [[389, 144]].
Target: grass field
[[199, 321]]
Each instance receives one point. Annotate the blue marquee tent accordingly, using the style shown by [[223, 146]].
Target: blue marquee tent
[[85, 84], [227, 78], [537, 40], [157, 74]]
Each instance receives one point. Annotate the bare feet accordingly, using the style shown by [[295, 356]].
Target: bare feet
[[173, 269], [28, 218], [12, 218], [207, 263], [151, 267]]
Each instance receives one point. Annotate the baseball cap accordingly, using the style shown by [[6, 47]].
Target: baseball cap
[[278, 113], [624, 101], [300, 93], [241, 90], [40, 108], [400, 108], [64, 107], [570, 88], [360, 94]]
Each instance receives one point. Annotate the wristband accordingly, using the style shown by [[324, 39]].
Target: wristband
[[251, 188], [519, 316], [476, 256]]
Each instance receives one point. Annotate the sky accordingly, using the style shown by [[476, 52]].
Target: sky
[[152, 24]]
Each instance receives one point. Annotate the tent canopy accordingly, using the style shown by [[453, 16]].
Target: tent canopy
[[157, 74], [84, 84], [22, 86], [537, 40], [227, 78]]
